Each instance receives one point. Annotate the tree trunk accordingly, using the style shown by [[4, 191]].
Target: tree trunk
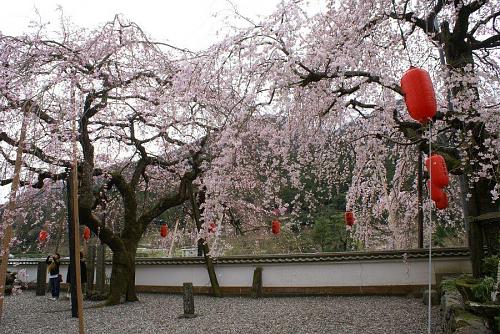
[[203, 246], [458, 57], [211, 272], [123, 274], [478, 204]]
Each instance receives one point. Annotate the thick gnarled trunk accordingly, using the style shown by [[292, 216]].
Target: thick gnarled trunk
[[477, 199], [122, 283]]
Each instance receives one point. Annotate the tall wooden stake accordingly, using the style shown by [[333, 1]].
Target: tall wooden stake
[[76, 224], [173, 238], [71, 244], [11, 206]]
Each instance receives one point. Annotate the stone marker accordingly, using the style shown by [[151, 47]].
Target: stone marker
[[100, 284], [41, 278], [90, 262], [257, 283], [188, 301]]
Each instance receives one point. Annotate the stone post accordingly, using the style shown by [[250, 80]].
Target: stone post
[[100, 270], [41, 278], [91, 250], [257, 283], [188, 300]]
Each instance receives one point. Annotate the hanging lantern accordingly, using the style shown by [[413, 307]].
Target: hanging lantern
[[437, 193], [419, 94], [164, 230], [275, 226], [349, 218], [443, 203], [436, 165], [212, 228], [43, 235], [86, 233]]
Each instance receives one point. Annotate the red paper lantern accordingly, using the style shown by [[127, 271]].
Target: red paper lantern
[[275, 226], [443, 203], [419, 94], [436, 165], [43, 235], [212, 228], [86, 233], [436, 192], [349, 218], [164, 230]]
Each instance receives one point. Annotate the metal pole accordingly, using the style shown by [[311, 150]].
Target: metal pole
[[429, 310], [420, 216]]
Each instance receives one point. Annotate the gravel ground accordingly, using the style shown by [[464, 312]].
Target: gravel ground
[[157, 313]]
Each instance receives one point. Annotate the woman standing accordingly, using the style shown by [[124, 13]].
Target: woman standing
[[54, 262]]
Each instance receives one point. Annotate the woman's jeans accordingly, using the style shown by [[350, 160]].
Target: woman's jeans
[[56, 286]]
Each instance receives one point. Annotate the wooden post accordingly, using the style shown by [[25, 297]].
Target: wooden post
[[173, 238], [71, 246], [476, 247], [76, 223], [41, 278], [76, 226], [8, 214], [257, 283], [188, 300]]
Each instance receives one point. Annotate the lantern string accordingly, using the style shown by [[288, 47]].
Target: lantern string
[[430, 237], [429, 305], [403, 39]]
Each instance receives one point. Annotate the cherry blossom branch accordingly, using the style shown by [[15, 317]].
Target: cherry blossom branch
[[484, 21]]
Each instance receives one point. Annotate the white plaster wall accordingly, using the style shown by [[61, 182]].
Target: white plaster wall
[[369, 273], [362, 273]]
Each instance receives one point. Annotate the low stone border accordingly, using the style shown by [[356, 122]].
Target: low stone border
[[455, 319]]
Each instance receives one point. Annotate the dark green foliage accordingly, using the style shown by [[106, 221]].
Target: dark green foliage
[[329, 231], [447, 235], [475, 289], [489, 267]]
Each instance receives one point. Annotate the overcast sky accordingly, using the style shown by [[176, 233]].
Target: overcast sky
[[191, 24]]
